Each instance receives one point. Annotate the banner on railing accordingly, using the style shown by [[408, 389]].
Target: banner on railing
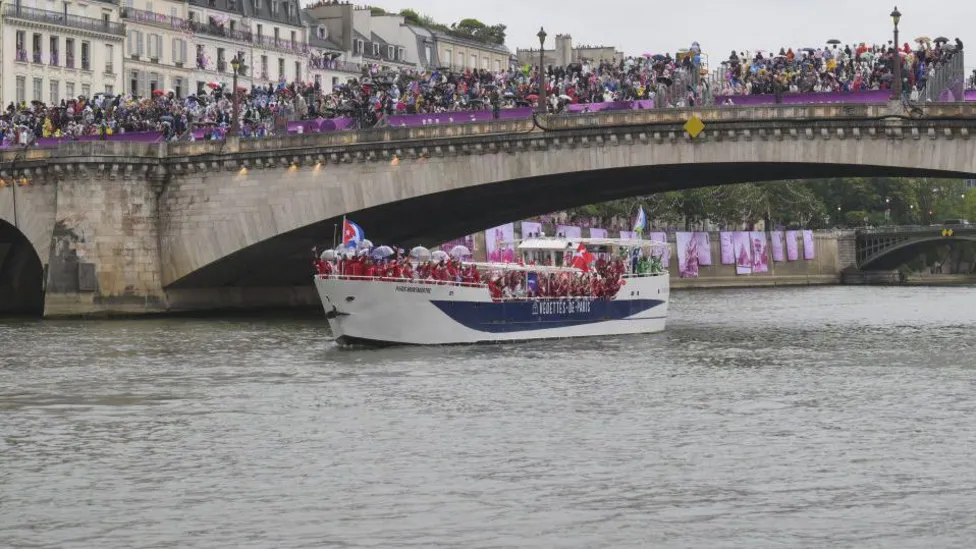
[[792, 253], [779, 255], [531, 229], [743, 252], [597, 233], [500, 243], [629, 235], [687, 246], [727, 250], [760, 252], [664, 254], [808, 251], [569, 231]]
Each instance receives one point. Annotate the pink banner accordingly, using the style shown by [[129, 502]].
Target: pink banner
[[760, 252], [569, 231], [704, 249], [531, 229], [631, 235], [728, 253], [779, 255], [598, 233], [663, 253], [687, 246], [499, 243], [743, 252], [792, 254], [466, 241], [808, 251]]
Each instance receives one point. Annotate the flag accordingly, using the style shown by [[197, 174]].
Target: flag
[[352, 234], [582, 258], [641, 222]]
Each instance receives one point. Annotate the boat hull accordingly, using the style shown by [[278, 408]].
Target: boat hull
[[428, 313]]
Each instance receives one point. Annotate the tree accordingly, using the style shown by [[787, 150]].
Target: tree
[[411, 16], [377, 11]]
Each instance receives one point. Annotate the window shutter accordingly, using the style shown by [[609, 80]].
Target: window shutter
[[183, 51], [132, 42], [176, 53], [139, 48]]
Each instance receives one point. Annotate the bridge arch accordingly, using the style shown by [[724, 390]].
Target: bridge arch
[[899, 253], [254, 224], [21, 274]]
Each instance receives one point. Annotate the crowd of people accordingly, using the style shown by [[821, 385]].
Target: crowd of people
[[670, 80], [834, 68], [601, 280]]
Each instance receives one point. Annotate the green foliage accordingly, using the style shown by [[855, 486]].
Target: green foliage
[[842, 203], [377, 11], [469, 28]]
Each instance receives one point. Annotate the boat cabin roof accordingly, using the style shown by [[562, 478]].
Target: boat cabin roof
[[523, 268], [560, 244]]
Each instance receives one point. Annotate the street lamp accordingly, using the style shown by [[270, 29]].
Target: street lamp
[[896, 88], [542, 70], [235, 64]]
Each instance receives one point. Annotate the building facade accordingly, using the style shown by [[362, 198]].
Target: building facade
[[462, 53], [373, 43], [565, 53], [157, 47], [54, 51]]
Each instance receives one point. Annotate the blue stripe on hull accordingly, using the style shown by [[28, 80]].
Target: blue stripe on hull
[[518, 316]]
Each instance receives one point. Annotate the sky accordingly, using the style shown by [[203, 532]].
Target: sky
[[655, 26]]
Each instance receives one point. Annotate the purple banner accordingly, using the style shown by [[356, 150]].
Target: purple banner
[[500, 243], [531, 229], [664, 254], [792, 254], [569, 231], [628, 235], [466, 241], [872, 96], [743, 252], [597, 233], [687, 246], [779, 254], [611, 106], [140, 137], [808, 250], [456, 117], [728, 253], [704, 245], [760, 252]]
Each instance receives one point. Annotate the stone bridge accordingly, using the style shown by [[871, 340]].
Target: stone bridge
[[114, 226], [884, 249]]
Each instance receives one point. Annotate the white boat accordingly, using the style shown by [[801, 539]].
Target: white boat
[[375, 310]]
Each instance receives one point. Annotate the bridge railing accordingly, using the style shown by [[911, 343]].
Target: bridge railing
[[911, 229]]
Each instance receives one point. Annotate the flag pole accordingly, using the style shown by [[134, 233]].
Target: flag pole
[[335, 231]]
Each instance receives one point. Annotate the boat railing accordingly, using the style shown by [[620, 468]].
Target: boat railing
[[429, 281]]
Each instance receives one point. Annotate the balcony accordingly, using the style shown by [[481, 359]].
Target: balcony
[[155, 19], [220, 31], [12, 11], [334, 65], [221, 65], [280, 44], [21, 55]]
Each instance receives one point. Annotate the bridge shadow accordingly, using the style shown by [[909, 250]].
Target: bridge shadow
[[21, 274], [431, 219], [897, 255]]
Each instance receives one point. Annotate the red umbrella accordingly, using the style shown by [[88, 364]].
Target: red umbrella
[[213, 85], [532, 97], [158, 92]]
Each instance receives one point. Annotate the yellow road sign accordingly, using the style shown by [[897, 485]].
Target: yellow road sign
[[694, 126]]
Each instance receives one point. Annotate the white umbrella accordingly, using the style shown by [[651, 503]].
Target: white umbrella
[[419, 252], [458, 252], [328, 255], [439, 255], [365, 244], [383, 251]]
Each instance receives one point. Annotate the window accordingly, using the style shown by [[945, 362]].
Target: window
[[69, 90], [390, 52], [281, 68], [221, 62], [109, 89], [320, 31], [149, 6], [21, 91], [318, 81], [55, 89], [474, 61], [153, 82], [298, 71], [155, 47], [427, 53], [447, 58], [38, 83], [401, 54], [21, 50], [134, 82], [264, 67], [360, 46], [173, 12], [69, 53], [37, 51], [460, 58], [277, 33], [86, 56], [200, 84], [484, 63], [260, 30], [498, 65], [178, 87], [179, 51], [110, 58], [135, 43], [335, 82], [376, 49], [53, 46], [86, 90]]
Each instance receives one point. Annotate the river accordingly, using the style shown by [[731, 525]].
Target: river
[[822, 417]]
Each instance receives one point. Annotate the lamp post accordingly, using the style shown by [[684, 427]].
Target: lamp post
[[542, 70], [235, 64], [896, 87]]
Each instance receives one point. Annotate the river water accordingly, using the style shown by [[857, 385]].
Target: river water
[[827, 417]]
